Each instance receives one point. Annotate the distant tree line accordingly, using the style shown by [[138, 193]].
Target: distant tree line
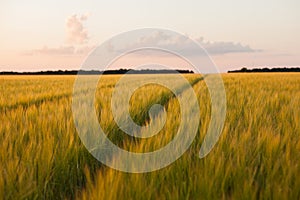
[[95, 72], [284, 69]]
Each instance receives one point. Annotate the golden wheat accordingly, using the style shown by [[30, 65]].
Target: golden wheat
[[257, 155]]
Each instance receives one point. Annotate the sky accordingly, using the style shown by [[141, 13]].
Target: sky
[[50, 35]]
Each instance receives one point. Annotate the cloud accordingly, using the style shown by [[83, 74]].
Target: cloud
[[225, 47], [61, 51], [75, 31], [183, 44], [76, 40]]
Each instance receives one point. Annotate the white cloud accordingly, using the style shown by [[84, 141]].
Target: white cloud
[[77, 37], [76, 40], [175, 42], [75, 31], [61, 51], [225, 47]]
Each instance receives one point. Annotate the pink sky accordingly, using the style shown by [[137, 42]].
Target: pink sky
[[39, 35]]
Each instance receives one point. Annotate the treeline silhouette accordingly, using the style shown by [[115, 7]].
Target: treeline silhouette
[[284, 69], [95, 72]]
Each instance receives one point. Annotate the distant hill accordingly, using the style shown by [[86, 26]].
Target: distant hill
[[91, 72], [284, 69]]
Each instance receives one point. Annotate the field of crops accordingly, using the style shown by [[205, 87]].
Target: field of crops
[[257, 155]]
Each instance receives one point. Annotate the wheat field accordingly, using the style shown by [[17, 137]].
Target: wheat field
[[257, 155]]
